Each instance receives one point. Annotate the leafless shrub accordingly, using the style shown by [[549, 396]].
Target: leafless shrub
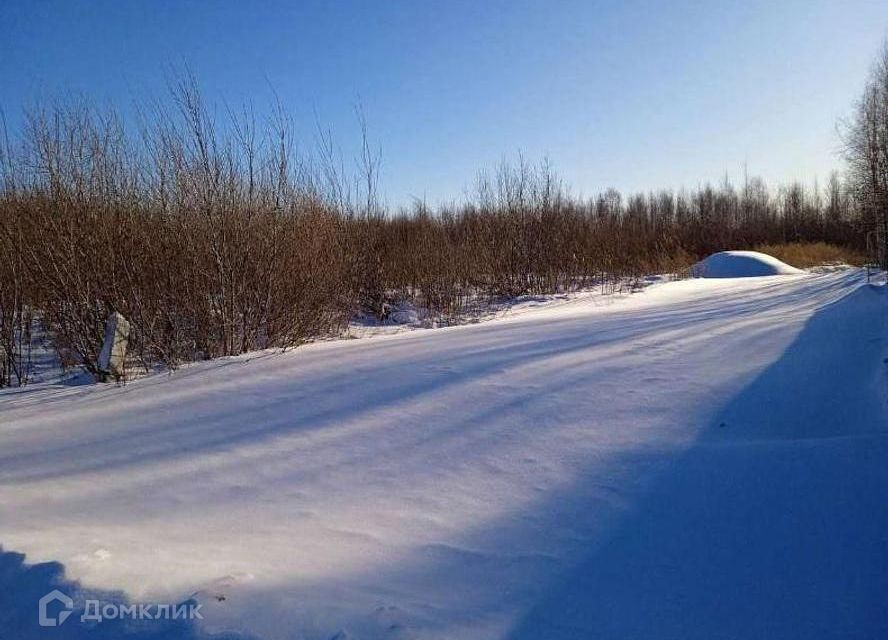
[[214, 237]]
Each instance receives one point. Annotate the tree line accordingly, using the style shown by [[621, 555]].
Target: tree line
[[215, 240]]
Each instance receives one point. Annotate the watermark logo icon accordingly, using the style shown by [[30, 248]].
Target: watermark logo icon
[[47, 620], [96, 611]]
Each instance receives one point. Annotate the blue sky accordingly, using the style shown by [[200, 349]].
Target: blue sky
[[635, 95]]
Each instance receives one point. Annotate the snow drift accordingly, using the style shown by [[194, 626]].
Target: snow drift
[[741, 264]]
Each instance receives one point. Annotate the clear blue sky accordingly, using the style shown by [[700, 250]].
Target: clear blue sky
[[635, 95]]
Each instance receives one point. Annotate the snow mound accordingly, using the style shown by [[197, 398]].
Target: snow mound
[[741, 264]]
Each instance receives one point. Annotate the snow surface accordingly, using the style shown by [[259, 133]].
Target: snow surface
[[706, 458], [741, 264]]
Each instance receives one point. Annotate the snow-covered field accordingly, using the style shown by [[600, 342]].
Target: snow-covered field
[[704, 459]]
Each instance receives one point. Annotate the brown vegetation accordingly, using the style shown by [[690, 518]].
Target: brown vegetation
[[216, 240], [813, 254]]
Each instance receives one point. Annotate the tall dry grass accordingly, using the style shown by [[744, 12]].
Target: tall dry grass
[[813, 254]]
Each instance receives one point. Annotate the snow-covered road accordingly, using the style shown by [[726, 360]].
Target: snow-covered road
[[707, 458]]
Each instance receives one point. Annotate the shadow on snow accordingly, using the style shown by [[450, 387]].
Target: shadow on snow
[[773, 524]]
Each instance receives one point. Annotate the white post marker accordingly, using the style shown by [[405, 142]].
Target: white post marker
[[112, 359]]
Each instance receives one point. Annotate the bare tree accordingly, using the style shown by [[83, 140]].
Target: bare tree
[[866, 151]]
